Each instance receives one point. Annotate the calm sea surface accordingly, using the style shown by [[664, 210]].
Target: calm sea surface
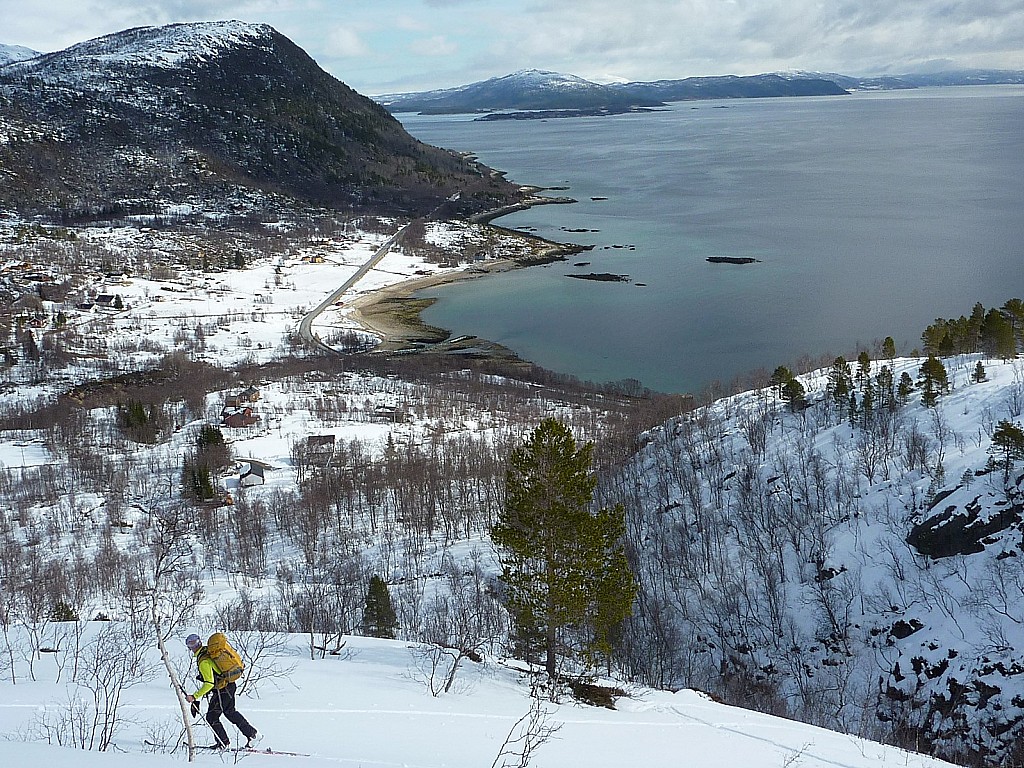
[[871, 214]]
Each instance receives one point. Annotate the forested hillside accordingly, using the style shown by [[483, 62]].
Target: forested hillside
[[844, 547]]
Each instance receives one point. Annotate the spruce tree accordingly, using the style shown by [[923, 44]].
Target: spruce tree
[[794, 394], [839, 383], [564, 568], [886, 388], [933, 380], [889, 348], [903, 390], [863, 374], [1008, 443], [997, 337], [1014, 310], [779, 377], [379, 618], [979, 374]]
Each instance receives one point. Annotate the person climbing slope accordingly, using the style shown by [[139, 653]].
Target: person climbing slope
[[219, 667]]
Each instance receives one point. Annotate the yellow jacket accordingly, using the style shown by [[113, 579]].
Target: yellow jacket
[[206, 672]]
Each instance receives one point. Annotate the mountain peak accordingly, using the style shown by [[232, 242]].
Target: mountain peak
[[201, 110], [166, 47], [12, 53]]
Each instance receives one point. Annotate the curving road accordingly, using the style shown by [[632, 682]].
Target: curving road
[[305, 325]]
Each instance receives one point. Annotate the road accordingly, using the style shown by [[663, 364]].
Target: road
[[306, 324]]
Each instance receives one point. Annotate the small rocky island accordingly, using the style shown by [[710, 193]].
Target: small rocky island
[[547, 114], [602, 276], [732, 260]]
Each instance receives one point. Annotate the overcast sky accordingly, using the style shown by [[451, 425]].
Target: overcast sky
[[387, 46]]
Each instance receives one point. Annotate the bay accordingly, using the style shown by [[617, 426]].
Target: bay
[[870, 215]]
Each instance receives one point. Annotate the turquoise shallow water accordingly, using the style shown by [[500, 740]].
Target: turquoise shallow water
[[871, 215]]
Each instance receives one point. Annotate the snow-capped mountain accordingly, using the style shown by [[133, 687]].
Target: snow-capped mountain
[[921, 79], [152, 116], [541, 90], [171, 47], [530, 89], [12, 53]]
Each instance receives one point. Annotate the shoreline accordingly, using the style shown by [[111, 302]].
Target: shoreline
[[393, 313]]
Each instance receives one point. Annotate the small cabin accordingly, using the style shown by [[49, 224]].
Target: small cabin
[[251, 473], [240, 417]]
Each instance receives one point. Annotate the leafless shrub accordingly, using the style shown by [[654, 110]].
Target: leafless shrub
[[530, 732]]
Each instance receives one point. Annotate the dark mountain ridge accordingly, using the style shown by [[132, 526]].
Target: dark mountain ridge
[[530, 89], [539, 90], [213, 114]]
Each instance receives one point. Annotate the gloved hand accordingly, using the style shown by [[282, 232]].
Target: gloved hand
[[195, 709]]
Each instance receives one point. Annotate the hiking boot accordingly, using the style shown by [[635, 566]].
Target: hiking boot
[[255, 739], [218, 745]]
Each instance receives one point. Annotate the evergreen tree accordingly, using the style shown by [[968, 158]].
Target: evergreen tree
[[1014, 310], [889, 348], [839, 383], [140, 422], [933, 380], [794, 394], [29, 348], [196, 481], [947, 346], [780, 376], [863, 374], [886, 386], [564, 568], [979, 374], [997, 337], [974, 325], [867, 406], [903, 390], [1008, 443], [379, 617]]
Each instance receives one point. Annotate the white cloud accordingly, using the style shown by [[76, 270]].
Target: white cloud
[[438, 45], [345, 42]]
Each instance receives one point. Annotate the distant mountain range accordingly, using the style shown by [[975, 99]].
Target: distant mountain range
[[11, 53], [221, 115], [543, 91]]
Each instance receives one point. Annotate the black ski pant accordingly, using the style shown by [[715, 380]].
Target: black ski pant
[[222, 702]]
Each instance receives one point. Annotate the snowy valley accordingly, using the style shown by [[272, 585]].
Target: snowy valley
[[201, 430]]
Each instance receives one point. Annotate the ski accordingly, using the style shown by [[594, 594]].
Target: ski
[[253, 750], [269, 751]]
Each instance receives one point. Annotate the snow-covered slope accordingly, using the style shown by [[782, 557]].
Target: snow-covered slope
[[165, 47], [12, 53], [865, 574], [370, 706]]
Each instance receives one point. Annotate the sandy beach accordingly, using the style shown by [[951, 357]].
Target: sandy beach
[[393, 313]]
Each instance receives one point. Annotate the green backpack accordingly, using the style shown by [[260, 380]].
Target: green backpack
[[227, 662]]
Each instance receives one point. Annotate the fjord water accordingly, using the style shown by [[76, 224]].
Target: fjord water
[[870, 214]]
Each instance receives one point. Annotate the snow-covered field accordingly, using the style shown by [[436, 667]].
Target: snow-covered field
[[370, 707]]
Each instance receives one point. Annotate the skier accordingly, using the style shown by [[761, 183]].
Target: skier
[[222, 700]]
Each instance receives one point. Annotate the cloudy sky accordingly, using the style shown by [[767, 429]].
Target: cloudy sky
[[387, 46]]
